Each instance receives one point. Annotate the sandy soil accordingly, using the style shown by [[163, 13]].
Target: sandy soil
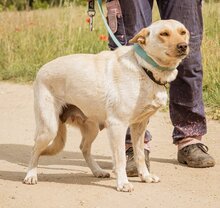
[[66, 181]]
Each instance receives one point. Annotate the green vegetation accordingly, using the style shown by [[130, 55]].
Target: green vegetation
[[29, 39], [36, 4], [211, 58]]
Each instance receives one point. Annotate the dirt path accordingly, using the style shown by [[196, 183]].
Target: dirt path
[[65, 180]]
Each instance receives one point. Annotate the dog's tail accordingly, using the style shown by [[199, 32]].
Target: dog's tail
[[58, 143]]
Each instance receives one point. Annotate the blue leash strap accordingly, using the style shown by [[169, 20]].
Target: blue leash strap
[[106, 24]]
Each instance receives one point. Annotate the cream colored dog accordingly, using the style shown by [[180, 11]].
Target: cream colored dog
[[110, 89]]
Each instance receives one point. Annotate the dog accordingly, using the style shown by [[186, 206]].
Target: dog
[[112, 90]]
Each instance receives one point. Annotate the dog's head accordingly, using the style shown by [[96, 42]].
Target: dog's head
[[166, 41]]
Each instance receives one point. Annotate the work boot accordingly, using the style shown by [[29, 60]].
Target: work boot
[[131, 168], [196, 156]]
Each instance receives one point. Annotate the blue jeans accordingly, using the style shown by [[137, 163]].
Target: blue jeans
[[186, 103]]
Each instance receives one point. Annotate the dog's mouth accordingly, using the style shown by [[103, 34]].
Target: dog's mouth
[[179, 55]]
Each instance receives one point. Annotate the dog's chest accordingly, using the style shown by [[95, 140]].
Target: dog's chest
[[151, 94], [139, 99], [149, 106], [160, 98]]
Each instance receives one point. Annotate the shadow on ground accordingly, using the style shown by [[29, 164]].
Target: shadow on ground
[[20, 155], [71, 178], [164, 160]]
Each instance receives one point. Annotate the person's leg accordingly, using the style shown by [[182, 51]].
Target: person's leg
[[116, 23], [128, 18], [147, 138], [186, 103], [137, 14]]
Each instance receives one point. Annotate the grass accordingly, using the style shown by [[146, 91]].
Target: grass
[[211, 58], [30, 39]]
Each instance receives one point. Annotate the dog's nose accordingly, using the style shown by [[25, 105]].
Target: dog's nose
[[181, 47]]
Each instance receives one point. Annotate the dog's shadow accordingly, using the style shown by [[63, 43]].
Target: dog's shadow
[[20, 155], [164, 160]]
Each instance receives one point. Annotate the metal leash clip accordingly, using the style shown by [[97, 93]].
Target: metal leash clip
[[91, 12]]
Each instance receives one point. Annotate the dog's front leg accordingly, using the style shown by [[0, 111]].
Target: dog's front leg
[[116, 132], [137, 135]]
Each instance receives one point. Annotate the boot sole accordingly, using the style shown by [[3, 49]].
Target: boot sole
[[207, 165]]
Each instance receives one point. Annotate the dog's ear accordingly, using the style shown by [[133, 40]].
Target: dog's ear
[[141, 37]]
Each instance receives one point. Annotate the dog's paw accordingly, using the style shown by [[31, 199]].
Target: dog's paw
[[127, 187], [101, 174], [150, 178], [30, 179]]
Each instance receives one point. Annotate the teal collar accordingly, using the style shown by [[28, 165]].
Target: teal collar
[[139, 50]]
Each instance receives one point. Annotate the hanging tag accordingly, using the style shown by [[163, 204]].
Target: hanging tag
[[91, 23], [91, 12]]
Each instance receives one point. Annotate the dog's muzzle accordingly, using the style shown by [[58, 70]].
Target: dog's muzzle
[[182, 49]]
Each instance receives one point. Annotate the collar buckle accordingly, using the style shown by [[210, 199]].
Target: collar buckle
[[151, 76]]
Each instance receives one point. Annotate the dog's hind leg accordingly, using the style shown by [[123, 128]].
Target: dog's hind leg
[[89, 131], [137, 136], [47, 122]]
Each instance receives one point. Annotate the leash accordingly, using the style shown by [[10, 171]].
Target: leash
[[106, 24]]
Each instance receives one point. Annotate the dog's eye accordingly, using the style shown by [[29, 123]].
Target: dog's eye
[[164, 34], [183, 32]]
